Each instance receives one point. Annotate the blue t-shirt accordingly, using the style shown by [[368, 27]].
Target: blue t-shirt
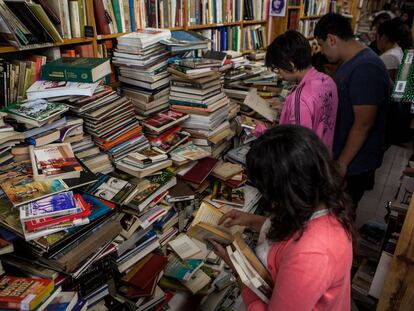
[[363, 80]]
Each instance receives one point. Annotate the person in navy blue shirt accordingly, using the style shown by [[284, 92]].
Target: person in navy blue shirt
[[363, 89]]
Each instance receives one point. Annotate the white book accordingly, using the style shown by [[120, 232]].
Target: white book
[[74, 18], [184, 247], [66, 19], [48, 89]]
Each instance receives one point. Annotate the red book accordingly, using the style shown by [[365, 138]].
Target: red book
[[23, 293], [144, 276], [84, 50], [200, 171], [147, 291], [102, 26]]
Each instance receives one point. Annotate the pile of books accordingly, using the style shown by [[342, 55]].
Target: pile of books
[[109, 198], [142, 64]]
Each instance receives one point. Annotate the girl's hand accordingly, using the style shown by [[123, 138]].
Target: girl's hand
[[220, 251], [234, 218]]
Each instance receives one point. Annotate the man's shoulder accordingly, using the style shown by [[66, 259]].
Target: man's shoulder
[[366, 63]]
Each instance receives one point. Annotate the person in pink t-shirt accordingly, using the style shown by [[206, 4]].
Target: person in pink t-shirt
[[314, 102], [306, 235]]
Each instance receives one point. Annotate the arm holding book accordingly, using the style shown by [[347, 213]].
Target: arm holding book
[[235, 217]]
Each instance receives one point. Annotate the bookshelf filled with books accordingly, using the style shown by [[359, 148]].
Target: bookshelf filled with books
[[90, 26], [303, 15]]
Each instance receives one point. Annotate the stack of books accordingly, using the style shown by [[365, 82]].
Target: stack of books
[[142, 63], [197, 90]]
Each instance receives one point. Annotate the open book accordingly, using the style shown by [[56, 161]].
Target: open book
[[205, 226], [251, 271]]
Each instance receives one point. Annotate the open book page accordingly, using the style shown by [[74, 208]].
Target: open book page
[[184, 247], [211, 216], [259, 105]]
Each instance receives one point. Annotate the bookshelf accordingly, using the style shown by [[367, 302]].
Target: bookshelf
[[97, 38], [297, 18]]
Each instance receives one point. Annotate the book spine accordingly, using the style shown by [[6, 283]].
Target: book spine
[[132, 15], [66, 18], [70, 74], [74, 18], [117, 13], [82, 17]]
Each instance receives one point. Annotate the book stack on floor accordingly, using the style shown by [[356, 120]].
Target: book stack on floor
[[197, 90], [131, 236], [142, 64]]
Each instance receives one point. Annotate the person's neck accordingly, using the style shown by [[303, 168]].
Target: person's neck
[[389, 46], [350, 48], [302, 73]]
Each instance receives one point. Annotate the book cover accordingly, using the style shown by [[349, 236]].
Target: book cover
[[78, 69], [63, 301], [180, 269], [54, 161], [36, 112], [200, 171], [143, 277], [225, 194], [58, 204], [23, 293], [23, 189], [164, 120], [111, 189], [5, 247], [82, 211]]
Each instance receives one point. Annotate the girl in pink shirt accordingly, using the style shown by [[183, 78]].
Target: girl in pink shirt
[[314, 102], [305, 238]]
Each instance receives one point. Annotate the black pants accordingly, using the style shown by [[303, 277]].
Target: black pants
[[358, 184]]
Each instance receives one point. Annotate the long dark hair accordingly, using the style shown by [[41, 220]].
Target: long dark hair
[[294, 172]]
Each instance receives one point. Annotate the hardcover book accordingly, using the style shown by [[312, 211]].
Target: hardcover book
[[23, 293], [225, 194], [54, 161], [76, 69]]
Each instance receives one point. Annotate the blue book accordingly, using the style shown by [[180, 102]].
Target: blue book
[[132, 15], [182, 270]]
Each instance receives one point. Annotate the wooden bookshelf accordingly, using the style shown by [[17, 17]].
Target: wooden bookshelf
[[97, 38], [311, 17], [12, 49]]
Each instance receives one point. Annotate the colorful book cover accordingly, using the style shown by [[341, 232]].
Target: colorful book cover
[[23, 293], [111, 189], [182, 269], [24, 188], [39, 110], [163, 118], [223, 193], [63, 301], [82, 211], [54, 161], [58, 204]]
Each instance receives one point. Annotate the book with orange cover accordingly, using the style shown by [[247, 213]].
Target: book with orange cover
[[105, 145], [23, 293]]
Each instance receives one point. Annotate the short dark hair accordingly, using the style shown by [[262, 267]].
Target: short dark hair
[[379, 19], [391, 29], [319, 61], [334, 24], [294, 172], [289, 47]]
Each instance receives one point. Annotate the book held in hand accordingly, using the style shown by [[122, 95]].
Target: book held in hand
[[54, 161]]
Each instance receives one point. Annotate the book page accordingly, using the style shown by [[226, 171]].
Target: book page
[[184, 247], [259, 105], [208, 215]]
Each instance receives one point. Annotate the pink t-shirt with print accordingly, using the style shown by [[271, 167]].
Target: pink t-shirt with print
[[313, 104]]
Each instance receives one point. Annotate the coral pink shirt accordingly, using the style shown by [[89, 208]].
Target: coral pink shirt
[[313, 104], [312, 273]]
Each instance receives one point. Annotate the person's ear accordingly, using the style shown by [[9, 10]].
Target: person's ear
[[292, 65], [332, 40]]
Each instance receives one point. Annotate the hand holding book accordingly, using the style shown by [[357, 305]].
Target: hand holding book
[[236, 217]]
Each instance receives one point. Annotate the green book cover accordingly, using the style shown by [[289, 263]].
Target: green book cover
[[76, 69], [117, 13], [404, 83]]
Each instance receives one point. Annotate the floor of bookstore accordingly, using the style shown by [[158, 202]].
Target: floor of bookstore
[[387, 180]]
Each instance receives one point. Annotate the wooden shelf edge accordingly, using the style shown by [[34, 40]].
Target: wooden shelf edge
[[193, 27], [10, 49], [253, 22], [311, 17]]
